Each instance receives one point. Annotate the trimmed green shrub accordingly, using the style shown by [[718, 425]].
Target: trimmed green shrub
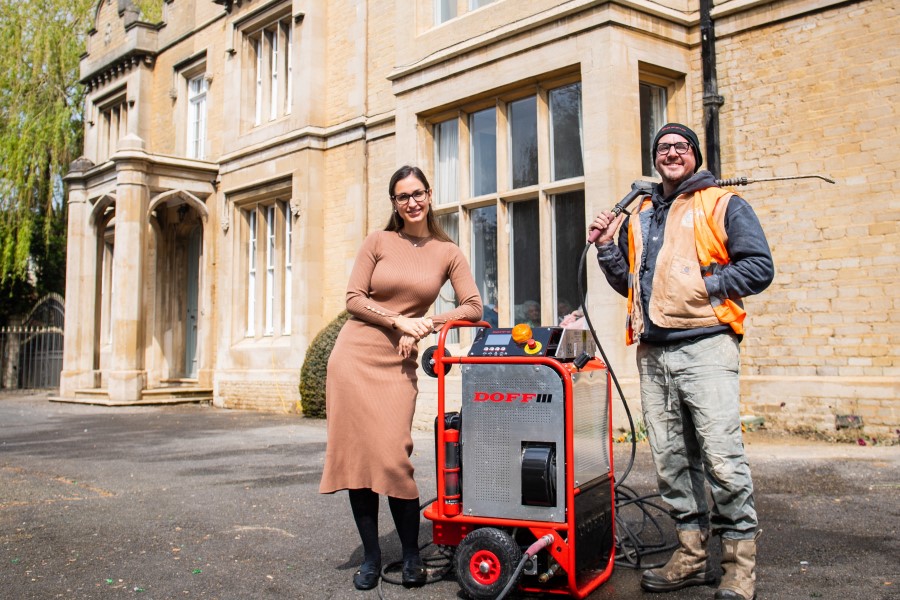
[[314, 369]]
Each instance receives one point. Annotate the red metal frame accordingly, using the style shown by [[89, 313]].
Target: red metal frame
[[449, 530]]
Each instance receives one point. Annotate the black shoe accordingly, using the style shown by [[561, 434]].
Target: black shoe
[[367, 576], [414, 573]]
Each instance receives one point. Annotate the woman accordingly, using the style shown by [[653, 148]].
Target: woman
[[371, 385]]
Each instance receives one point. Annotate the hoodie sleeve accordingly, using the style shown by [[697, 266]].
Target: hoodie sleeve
[[751, 269]]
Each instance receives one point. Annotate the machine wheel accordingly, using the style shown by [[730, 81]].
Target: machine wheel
[[485, 560], [427, 361]]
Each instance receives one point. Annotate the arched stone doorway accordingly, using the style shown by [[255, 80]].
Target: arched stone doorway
[[178, 220]]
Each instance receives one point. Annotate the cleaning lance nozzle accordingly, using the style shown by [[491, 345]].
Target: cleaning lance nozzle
[[747, 180]]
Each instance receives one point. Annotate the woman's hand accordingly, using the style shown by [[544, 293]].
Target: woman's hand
[[406, 345], [414, 327]]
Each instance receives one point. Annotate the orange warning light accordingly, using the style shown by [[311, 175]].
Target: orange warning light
[[521, 333]]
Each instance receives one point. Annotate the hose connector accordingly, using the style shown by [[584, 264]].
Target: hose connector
[[540, 544], [549, 574]]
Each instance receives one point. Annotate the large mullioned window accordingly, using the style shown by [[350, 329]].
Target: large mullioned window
[[268, 267], [509, 181], [196, 125], [112, 124], [272, 56]]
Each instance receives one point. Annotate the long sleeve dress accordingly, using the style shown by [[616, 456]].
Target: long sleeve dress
[[370, 391]]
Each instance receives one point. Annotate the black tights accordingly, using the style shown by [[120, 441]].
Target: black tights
[[364, 503]]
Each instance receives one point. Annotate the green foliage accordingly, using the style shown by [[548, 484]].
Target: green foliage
[[151, 10], [46, 272], [315, 364], [640, 433], [40, 124]]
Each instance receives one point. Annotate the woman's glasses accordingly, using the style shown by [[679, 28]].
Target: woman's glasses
[[403, 199]]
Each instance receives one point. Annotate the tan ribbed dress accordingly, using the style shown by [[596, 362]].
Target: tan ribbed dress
[[371, 390]]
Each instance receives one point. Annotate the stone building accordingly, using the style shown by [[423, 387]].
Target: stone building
[[238, 151]]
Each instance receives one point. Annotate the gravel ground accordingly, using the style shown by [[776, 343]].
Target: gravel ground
[[195, 502]]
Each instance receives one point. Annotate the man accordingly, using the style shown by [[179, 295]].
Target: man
[[684, 259]]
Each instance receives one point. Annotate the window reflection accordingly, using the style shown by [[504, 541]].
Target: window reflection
[[525, 258], [446, 162], [484, 259], [523, 142], [653, 116], [569, 241], [565, 132], [447, 299], [444, 10], [483, 130]]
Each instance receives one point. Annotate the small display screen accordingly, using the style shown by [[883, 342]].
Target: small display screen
[[497, 339]]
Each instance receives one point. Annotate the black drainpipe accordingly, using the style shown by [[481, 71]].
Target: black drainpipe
[[711, 98]]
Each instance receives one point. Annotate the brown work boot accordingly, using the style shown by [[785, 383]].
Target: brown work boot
[[739, 566], [686, 567]]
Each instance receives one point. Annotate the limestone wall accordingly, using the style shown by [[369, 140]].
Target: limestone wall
[[816, 94]]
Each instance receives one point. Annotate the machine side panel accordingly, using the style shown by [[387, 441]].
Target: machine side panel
[[505, 406], [594, 531], [590, 412]]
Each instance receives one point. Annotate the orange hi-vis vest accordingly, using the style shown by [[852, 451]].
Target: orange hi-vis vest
[[683, 261]]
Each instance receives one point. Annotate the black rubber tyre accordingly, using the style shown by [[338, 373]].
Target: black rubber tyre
[[484, 562], [428, 366]]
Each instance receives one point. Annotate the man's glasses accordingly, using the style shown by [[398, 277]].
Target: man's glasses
[[403, 199], [680, 147]]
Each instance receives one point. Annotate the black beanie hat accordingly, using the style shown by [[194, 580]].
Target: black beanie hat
[[685, 132]]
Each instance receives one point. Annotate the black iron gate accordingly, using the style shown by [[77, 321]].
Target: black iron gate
[[31, 354]]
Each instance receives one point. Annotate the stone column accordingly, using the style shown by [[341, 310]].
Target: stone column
[[11, 338], [81, 286], [127, 377]]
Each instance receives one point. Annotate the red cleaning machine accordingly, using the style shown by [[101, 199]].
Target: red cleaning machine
[[525, 468]]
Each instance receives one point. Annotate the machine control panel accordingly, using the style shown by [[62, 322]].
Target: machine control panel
[[502, 342], [564, 344]]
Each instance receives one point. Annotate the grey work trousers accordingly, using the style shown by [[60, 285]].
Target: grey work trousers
[[690, 394]]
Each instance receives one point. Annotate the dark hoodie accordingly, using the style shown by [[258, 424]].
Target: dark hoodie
[[750, 271]]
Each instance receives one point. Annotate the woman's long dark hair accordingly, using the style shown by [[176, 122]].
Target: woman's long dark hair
[[396, 223]]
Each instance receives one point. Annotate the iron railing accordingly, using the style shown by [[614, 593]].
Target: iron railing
[[31, 354], [32, 357]]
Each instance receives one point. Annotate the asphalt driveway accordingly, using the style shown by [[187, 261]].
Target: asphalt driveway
[[196, 502]]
